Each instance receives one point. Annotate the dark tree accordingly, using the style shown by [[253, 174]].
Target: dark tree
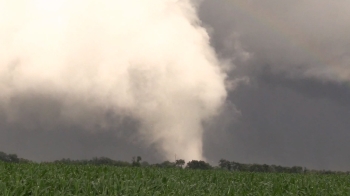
[[180, 163], [224, 164], [145, 164], [13, 158], [136, 161], [165, 164], [194, 164]]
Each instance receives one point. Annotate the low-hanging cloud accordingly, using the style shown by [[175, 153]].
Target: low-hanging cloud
[[148, 60]]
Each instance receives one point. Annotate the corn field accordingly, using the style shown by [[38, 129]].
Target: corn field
[[60, 179]]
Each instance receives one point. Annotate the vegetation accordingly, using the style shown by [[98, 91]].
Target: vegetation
[[12, 158], [94, 161], [136, 161], [194, 164], [65, 179], [180, 163], [104, 176], [234, 166]]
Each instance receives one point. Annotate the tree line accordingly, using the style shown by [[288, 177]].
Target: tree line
[[264, 168], [137, 162], [12, 158], [180, 163], [234, 166]]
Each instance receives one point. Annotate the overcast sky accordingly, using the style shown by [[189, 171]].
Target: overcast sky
[[295, 110], [288, 63]]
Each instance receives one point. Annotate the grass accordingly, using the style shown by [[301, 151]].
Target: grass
[[58, 179]]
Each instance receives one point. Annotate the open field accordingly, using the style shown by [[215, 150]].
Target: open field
[[59, 179]]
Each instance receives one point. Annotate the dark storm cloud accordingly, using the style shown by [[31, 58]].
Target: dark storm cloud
[[295, 109], [303, 38], [43, 135], [283, 125], [338, 92]]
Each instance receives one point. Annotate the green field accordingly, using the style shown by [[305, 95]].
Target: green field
[[59, 179]]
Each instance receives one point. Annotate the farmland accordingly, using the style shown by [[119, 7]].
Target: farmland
[[62, 179]]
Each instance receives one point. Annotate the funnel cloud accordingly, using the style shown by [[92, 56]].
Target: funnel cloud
[[90, 64], [245, 80]]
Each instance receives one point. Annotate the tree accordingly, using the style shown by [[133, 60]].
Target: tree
[[194, 164], [224, 164], [297, 169], [180, 163], [144, 164], [4, 157], [136, 161], [13, 158], [165, 164]]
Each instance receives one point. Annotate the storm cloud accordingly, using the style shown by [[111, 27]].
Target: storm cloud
[[88, 66], [295, 108], [249, 81]]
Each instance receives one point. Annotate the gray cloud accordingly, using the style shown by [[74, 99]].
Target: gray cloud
[[40, 133], [295, 108], [283, 124], [288, 75], [304, 38]]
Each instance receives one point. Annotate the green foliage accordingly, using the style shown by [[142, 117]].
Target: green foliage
[[224, 164], [165, 164], [11, 158], [180, 163], [136, 161], [234, 166], [194, 164], [94, 161], [70, 179], [145, 164]]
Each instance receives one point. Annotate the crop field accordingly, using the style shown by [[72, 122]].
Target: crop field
[[59, 179]]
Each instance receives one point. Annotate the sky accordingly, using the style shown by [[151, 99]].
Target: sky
[[248, 81], [294, 108]]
